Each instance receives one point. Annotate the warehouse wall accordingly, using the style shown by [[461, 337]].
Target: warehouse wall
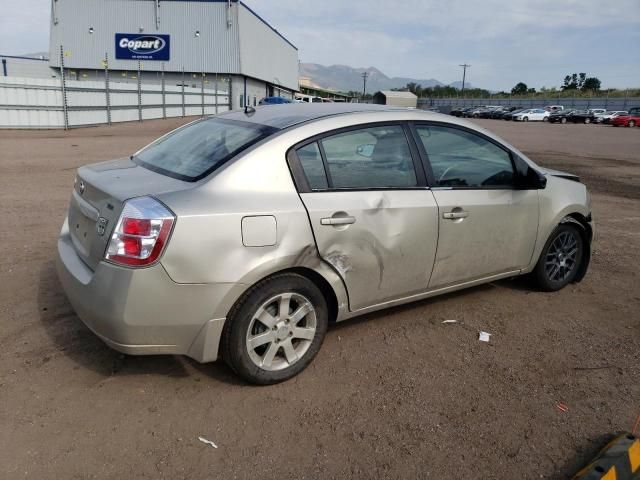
[[264, 54], [25, 67], [215, 50]]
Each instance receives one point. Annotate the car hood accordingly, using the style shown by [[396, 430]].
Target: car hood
[[558, 173]]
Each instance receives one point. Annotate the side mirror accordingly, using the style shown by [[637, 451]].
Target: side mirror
[[528, 178], [365, 150]]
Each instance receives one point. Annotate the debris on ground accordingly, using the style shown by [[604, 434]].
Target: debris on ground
[[562, 407], [450, 321], [484, 336], [208, 442]]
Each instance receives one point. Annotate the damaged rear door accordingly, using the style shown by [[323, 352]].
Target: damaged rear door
[[373, 217]]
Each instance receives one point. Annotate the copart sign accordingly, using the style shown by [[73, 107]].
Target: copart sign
[[137, 46]]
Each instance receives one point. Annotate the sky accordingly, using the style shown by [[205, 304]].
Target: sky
[[537, 42]]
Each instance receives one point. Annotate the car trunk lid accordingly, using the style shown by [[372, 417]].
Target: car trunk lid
[[98, 195]]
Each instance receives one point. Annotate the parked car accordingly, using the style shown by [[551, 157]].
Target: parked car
[[476, 111], [608, 115], [561, 116], [457, 112], [554, 108], [509, 115], [532, 114], [499, 113], [630, 120], [582, 116], [244, 235], [597, 111], [274, 101]]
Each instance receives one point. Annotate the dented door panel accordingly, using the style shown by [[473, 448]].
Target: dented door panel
[[382, 243]]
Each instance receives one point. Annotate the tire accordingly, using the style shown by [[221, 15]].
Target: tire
[[587, 121], [560, 259], [545, 119], [631, 123], [563, 120], [525, 119], [270, 360]]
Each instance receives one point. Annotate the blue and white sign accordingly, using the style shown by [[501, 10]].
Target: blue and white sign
[[142, 46]]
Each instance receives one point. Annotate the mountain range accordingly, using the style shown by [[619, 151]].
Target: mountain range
[[344, 78]]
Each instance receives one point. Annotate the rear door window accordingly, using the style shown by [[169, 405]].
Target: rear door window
[[192, 152]]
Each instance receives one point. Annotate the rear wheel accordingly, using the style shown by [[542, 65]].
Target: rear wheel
[[560, 259], [545, 119], [276, 329], [563, 120], [632, 123], [587, 121]]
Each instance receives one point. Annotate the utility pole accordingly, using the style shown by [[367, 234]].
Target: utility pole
[[464, 75], [364, 84]]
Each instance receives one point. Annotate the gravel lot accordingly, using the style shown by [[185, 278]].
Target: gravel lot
[[396, 394]]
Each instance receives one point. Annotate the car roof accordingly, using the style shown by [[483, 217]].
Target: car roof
[[286, 115]]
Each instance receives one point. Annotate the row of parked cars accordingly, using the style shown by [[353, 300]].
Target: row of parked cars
[[552, 114]]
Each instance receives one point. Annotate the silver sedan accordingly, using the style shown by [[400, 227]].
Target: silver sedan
[[245, 234]]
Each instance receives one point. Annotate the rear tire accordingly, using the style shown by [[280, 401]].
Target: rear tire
[[632, 123], [545, 119], [265, 344], [560, 260], [563, 120], [587, 121]]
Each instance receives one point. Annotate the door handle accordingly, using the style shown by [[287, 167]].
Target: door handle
[[337, 220], [455, 215]]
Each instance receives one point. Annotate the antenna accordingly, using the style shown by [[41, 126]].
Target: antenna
[[464, 75]]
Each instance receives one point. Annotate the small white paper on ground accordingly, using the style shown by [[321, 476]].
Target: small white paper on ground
[[208, 442], [450, 321], [484, 336]]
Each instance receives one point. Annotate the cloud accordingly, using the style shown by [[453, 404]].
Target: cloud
[[505, 41]]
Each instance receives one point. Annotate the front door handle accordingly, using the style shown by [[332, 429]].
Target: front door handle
[[337, 220], [454, 215]]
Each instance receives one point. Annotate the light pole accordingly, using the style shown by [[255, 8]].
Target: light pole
[[464, 76], [364, 84]]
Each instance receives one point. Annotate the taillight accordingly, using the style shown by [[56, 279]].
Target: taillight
[[141, 232]]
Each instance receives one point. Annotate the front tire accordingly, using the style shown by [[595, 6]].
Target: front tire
[[587, 121], [525, 119], [560, 259], [275, 329], [563, 120]]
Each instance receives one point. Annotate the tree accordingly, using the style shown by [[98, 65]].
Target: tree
[[591, 83], [575, 81], [520, 89]]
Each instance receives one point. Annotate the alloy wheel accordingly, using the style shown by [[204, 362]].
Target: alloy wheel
[[281, 331], [562, 256]]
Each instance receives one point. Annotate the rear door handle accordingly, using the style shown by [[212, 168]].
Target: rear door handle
[[455, 215], [337, 220]]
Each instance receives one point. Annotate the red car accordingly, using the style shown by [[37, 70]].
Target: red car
[[630, 120]]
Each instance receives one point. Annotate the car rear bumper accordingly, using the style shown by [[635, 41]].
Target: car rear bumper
[[143, 311]]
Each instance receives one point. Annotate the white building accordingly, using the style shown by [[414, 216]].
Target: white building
[[192, 41]]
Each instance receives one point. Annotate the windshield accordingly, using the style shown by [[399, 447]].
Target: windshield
[[192, 152]]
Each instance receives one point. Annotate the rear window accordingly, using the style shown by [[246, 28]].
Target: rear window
[[193, 152]]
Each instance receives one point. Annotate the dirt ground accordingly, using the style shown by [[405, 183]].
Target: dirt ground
[[396, 394]]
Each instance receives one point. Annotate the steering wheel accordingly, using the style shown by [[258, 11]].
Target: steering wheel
[[450, 167]]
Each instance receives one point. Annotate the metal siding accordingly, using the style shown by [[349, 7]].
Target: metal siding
[[215, 50], [264, 54]]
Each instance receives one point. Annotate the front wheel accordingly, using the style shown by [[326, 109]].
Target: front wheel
[[563, 120], [276, 329], [560, 259], [525, 119], [587, 121]]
